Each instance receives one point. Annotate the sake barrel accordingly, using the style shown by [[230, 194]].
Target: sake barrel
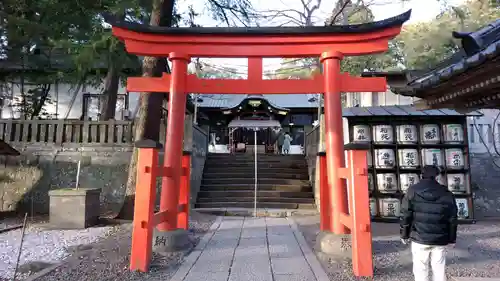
[[406, 134], [429, 134], [462, 208], [383, 134], [373, 207], [407, 180], [454, 158], [387, 183], [361, 133], [384, 158], [432, 156], [453, 133], [456, 183], [389, 207], [408, 158], [371, 184]]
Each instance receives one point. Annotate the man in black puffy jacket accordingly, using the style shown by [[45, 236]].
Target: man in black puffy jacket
[[429, 220]]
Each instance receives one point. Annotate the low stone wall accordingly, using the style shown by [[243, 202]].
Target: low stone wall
[[26, 180]]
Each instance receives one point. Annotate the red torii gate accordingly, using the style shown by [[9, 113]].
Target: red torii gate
[[331, 43]]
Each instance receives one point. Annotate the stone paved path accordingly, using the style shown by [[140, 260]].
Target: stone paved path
[[251, 249]]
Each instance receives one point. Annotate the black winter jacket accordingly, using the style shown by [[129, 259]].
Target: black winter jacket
[[429, 214]]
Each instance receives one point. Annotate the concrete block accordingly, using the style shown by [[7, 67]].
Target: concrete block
[[171, 241], [74, 208], [334, 245]]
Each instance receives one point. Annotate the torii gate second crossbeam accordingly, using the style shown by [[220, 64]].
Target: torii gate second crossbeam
[[330, 43]]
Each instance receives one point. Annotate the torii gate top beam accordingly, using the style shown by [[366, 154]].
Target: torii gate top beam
[[350, 40]]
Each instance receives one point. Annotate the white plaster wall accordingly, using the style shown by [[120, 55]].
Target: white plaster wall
[[377, 99], [486, 127], [61, 96]]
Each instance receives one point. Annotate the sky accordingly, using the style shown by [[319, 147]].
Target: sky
[[422, 10]]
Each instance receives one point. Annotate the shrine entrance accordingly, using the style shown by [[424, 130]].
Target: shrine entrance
[[330, 43]]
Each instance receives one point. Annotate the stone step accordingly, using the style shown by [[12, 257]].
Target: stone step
[[272, 205], [264, 187], [220, 181], [215, 194], [261, 212], [229, 164], [259, 160], [259, 199], [248, 174], [251, 156], [250, 169]]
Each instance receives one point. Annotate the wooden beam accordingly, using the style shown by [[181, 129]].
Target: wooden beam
[[240, 86], [257, 50]]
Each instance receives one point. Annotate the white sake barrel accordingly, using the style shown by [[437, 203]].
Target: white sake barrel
[[429, 134], [384, 158], [383, 134], [387, 183], [373, 207], [408, 158], [407, 180], [453, 133], [361, 133], [454, 158], [371, 183], [406, 134], [441, 180], [456, 183], [389, 207], [432, 156], [463, 208]]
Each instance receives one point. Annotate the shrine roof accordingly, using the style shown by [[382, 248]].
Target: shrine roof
[[263, 31], [478, 48], [401, 110], [278, 101]]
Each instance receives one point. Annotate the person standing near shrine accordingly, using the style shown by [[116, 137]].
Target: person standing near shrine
[[280, 140], [429, 221], [287, 142]]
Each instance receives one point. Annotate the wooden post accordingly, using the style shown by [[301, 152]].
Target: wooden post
[[142, 233], [173, 142], [184, 192], [325, 211], [362, 260], [334, 137]]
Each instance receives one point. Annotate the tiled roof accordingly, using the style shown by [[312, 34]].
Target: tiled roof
[[285, 101], [401, 110], [268, 30], [477, 48]]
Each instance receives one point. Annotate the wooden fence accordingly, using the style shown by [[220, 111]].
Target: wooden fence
[[79, 132], [66, 131]]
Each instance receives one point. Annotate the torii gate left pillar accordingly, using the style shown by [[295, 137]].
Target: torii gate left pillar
[[331, 43]]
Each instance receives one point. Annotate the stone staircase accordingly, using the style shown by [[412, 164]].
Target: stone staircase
[[228, 182]]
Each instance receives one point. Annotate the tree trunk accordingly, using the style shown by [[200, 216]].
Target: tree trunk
[[39, 102], [147, 123], [110, 94]]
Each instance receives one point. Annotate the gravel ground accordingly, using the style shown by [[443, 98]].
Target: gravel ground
[[108, 259], [41, 247], [476, 253]]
